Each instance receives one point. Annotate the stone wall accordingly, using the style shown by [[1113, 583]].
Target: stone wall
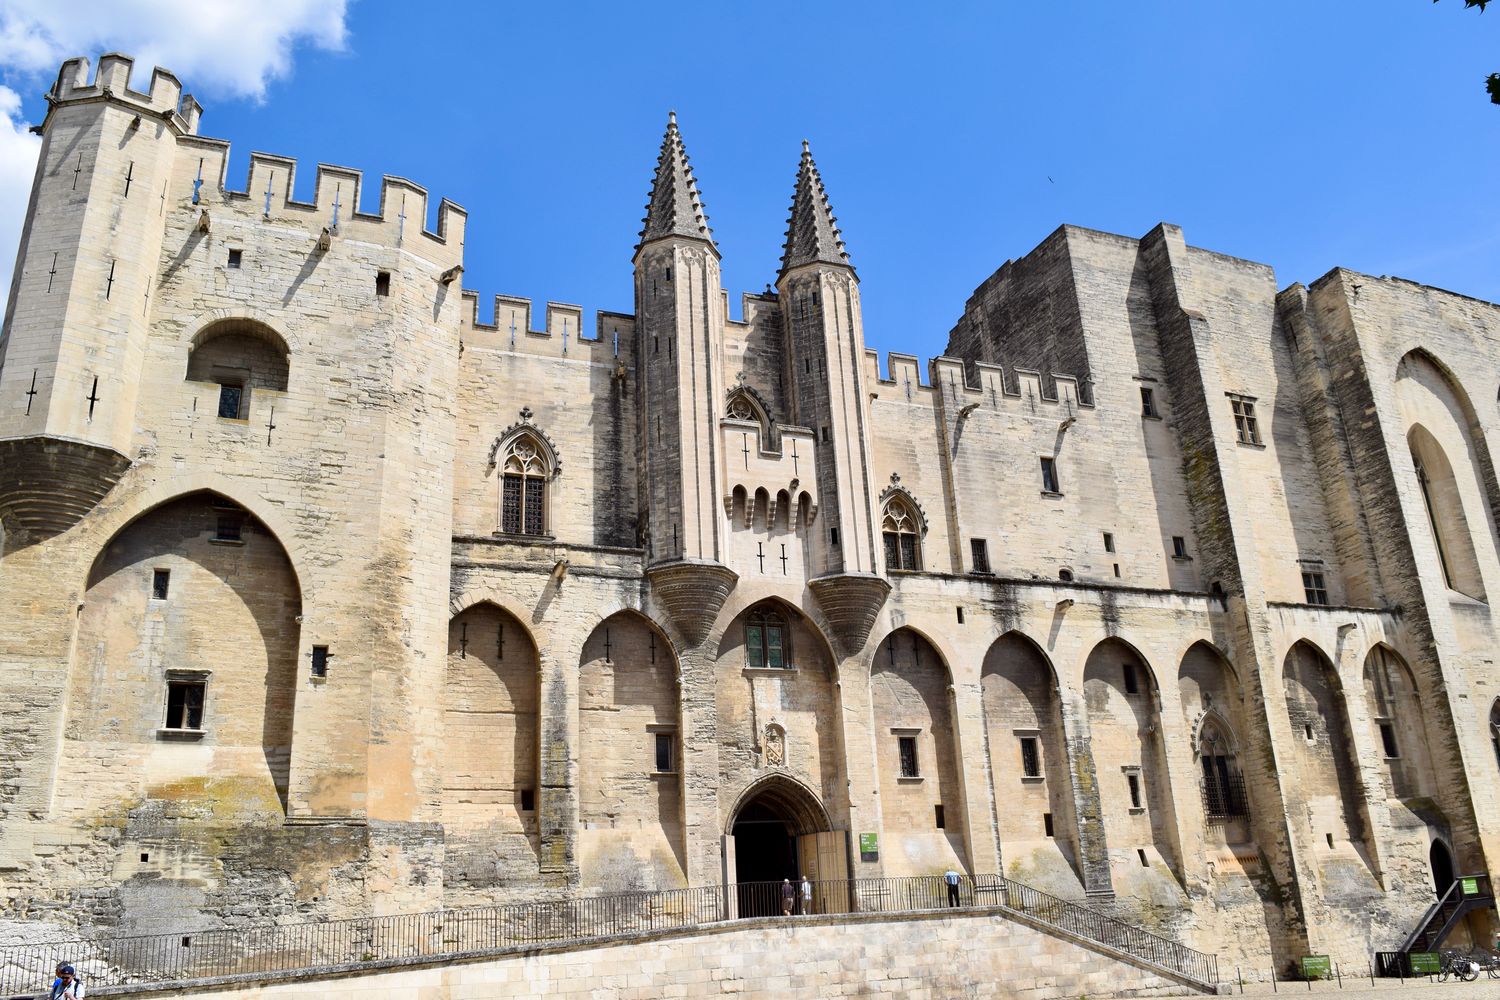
[[934, 956]]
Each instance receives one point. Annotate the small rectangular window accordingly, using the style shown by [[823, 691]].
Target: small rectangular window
[[1245, 427], [1148, 401], [1329, 838], [664, 762], [234, 259], [185, 704], [960, 612], [1047, 825], [161, 580], [979, 552], [320, 661], [908, 748], [1140, 852], [833, 537], [937, 816], [1307, 731], [1135, 790], [383, 283], [1388, 739], [528, 800], [1117, 569], [1132, 682], [1109, 542], [231, 401], [1049, 476], [229, 528], [1179, 547], [825, 434], [1031, 757], [1314, 587]]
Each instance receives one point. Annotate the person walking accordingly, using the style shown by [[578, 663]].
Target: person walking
[[788, 896], [67, 985], [807, 902], [951, 877]]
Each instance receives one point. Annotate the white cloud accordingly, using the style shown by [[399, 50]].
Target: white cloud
[[219, 47], [18, 148], [215, 48]]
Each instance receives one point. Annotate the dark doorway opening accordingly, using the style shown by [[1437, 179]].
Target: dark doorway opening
[[1442, 867], [765, 853]]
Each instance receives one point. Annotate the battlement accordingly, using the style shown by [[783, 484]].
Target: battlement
[[112, 80], [561, 335], [964, 382], [400, 221]]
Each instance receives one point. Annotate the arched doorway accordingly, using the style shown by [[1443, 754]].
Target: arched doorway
[[779, 831], [1442, 867]]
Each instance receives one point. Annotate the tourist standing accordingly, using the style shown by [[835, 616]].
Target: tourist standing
[[951, 877], [807, 904], [67, 985], [788, 895]]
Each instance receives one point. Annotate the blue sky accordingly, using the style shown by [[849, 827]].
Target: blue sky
[[1302, 134]]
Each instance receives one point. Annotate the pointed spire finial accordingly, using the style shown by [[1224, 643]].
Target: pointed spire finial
[[675, 208], [812, 233]]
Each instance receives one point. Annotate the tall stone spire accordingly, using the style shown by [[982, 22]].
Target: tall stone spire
[[675, 208], [812, 233]]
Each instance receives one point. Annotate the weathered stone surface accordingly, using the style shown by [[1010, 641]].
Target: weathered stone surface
[[593, 589]]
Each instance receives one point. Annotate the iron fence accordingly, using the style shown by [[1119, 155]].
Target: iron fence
[[377, 941]]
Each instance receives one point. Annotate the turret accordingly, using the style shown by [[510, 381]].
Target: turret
[[680, 345], [824, 334], [76, 320]]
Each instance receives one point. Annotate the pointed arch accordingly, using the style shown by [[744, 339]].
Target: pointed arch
[[1400, 727], [525, 462], [491, 733], [628, 757], [916, 752], [788, 795], [742, 402], [902, 527], [1322, 747], [1028, 761], [189, 631], [1455, 475], [1122, 700]]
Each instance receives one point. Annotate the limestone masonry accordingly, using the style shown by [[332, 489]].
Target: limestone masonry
[[319, 597]]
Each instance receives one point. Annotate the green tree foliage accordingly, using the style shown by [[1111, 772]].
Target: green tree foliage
[[1492, 82]]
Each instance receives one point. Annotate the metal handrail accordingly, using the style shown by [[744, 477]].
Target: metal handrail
[[475, 931]]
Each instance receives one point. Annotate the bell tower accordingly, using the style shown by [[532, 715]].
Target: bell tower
[[680, 330], [824, 334]]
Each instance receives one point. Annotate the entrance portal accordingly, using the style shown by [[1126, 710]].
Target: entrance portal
[[780, 831], [764, 854], [1442, 867]]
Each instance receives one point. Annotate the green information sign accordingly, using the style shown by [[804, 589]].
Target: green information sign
[[1424, 963], [869, 843], [1471, 887], [1316, 967]]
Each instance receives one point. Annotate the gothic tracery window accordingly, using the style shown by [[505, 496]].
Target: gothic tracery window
[[1223, 787], [523, 488], [900, 527], [767, 642]]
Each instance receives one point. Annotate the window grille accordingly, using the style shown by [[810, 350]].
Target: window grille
[[908, 748], [1031, 757]]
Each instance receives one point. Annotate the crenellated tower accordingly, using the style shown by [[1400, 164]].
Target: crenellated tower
[[824, 335], [680, 345], [77, 317]]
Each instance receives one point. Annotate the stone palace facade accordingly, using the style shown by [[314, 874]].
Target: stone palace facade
[[319, 597]]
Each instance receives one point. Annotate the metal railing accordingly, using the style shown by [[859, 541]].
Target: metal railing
[[378, 941]]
